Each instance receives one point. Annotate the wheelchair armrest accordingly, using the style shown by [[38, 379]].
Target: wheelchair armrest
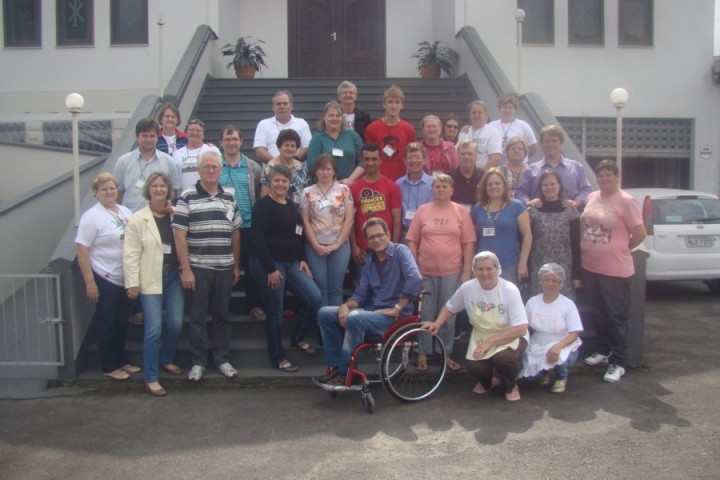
[[399, 324]]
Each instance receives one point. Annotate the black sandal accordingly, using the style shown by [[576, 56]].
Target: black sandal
[[287, 367], [304, 346]]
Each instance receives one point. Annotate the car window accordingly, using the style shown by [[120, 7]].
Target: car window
[[670, 211]]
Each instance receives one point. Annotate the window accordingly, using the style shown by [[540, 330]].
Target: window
[[21, 20], [129, 22], [635, 23], [585, 22], [74, 22], [539, 25]]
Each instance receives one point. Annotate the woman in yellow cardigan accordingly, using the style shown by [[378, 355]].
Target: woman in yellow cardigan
[[151, 271]]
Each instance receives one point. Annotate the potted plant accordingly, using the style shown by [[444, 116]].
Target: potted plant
[[248, 57], [434, 57]]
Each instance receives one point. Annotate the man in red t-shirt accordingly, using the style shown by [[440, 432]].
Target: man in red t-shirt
[[374, 195], [392, 134]]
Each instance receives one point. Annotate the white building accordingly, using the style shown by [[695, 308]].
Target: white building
[[575, 52]]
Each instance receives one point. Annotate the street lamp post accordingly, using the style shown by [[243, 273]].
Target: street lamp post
[[74, 103], [160, 24], [619, 98], [519, 17]]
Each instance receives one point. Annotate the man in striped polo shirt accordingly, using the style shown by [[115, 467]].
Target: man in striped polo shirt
[[207, 240]]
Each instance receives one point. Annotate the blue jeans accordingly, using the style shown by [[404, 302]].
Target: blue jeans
[[329, 272], [561, 370], [439, 290], [307, 293], [338, 344], [111, 321], [173, 299]]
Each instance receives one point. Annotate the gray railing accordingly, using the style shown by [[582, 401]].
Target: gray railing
[[31, 330], [193, 66]]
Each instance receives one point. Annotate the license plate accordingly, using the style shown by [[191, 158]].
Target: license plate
[[701, 241]]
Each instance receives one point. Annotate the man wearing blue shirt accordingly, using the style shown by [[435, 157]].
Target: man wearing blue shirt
[[389, 282], [415, 185], [576, 186]]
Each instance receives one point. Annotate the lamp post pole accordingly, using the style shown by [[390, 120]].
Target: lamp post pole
[[160, 24], [619, 98], [519, 17], [74, 103]]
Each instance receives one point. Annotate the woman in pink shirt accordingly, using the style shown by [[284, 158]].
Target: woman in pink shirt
[[442, 239], [440, 154], [611, 226]]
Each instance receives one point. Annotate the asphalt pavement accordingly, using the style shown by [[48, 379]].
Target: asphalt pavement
[[661, 421]]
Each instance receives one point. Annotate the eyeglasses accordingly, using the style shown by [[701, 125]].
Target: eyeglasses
[[377, 236], [196, 121]]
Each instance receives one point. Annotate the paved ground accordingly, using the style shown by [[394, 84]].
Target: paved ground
[[662, 421]]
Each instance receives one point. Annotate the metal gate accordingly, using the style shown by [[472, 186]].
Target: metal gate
[[31, 325]]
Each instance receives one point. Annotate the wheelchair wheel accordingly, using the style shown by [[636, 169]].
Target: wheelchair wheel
[[398, 365], [368, 401]]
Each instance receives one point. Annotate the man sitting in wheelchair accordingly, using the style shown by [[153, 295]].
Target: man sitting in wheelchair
[[389, 282]]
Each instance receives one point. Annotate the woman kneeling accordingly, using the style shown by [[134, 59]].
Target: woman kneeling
[[556, 326], [497, 315]]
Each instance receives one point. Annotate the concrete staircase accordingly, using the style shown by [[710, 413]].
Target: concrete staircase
[[246, 102]]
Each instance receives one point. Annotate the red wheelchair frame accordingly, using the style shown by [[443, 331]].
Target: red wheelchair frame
[[396, 350]]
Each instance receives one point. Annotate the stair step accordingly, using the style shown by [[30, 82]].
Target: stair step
[[246, 102]]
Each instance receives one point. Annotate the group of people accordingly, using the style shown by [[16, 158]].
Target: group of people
[[459, 213]]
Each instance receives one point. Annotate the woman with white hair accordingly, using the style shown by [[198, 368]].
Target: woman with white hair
[[555, 324], [499, 323]]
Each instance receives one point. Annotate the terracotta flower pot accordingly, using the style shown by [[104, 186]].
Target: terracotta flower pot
[[245, 71], [430, 71]]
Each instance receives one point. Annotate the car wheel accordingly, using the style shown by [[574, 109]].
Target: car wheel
[[713, 285]]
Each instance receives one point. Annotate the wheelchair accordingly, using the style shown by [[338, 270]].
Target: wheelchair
[[396, 352]]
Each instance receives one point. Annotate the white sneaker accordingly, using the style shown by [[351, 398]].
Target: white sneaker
[[227, 370], [196, 373], [597, 359], [614, 373]]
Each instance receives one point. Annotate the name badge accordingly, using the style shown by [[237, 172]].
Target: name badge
[[229, 215], [337, 152], [409, 215], [140, 183], [166, 248], [297, 197], [389, 151], [488, 231], [323, 203], [298, 229]]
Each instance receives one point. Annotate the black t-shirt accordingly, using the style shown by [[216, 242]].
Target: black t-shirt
[[164, 226]]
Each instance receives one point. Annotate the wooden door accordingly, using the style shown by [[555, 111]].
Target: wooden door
[[336, 38]]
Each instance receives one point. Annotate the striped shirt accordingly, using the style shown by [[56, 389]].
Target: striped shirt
[[209, 221]]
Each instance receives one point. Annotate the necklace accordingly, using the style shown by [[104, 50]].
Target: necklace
[[506, 130]]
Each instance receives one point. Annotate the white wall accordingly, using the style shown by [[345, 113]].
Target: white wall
[[32, 167], [266, 20], [409, 22], [36, 80], [668, 80]]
